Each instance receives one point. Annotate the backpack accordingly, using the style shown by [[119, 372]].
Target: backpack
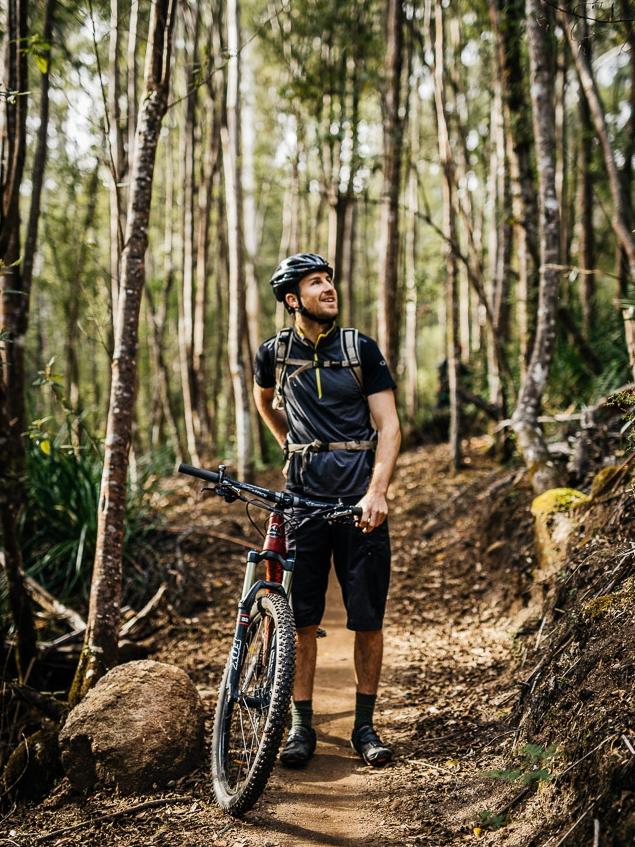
[[349, 339]]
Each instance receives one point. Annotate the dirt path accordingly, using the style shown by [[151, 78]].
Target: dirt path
[[321, 804], [447, 684]]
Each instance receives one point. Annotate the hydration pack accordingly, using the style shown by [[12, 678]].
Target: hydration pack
[[349, 340]]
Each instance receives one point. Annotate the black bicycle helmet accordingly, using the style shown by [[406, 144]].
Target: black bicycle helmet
[[291, 270]]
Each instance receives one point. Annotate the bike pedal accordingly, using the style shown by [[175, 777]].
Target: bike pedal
[[321, 633]]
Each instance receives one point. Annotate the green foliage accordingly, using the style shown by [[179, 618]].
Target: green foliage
[[533, 767], [490, 820], [59, 526]]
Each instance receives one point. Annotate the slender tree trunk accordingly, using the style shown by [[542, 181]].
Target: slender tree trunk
[[132, 77], [14, 318], [449, 231], [99, 652], [508, 21], [388, 292], [619, 217], [586, 237], [186, 322], [230, 135], [410, 237], [525, 423], [116, 159]]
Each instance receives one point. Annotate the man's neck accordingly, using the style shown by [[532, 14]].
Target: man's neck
[[311, 330]]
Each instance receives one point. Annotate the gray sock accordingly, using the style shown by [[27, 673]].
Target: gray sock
[[301, 713]]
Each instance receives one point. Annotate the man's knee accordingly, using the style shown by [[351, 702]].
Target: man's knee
[[306, 633]]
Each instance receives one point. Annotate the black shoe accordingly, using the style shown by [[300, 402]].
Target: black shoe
[[299, 748], [370, 747]]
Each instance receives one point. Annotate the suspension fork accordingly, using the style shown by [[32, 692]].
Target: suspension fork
[[278, 574]]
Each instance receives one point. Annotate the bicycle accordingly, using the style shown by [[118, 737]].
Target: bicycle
[[257, 682]]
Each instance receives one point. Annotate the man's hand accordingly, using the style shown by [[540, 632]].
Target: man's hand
[[375, 511]]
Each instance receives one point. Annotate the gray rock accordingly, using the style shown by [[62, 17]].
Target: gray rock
[[142, 724]]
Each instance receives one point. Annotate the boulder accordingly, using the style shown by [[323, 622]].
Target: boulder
[[142, 724], [555, 521]]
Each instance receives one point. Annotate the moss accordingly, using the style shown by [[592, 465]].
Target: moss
[[600, 606], [558, 500], [602, 478]]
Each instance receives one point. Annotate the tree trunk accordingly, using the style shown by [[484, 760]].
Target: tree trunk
[[619, 217], [230, 135], [117, 166], [586, 236], [525, 423], [508, 21], [449, 230], [14, 318], [410, 237], [99, 652], [186, 320], [388, 292]]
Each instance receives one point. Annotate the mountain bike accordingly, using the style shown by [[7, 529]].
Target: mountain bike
[[257, 682]]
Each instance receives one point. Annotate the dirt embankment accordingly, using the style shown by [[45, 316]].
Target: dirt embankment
[[509, 699]]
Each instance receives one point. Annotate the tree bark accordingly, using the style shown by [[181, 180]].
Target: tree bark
[[117, 160], [388, 292], [586, 237], [508, 21], [230, 135], [525, 423], [99, 652], [619, 218], [14, 318], [449, 230]]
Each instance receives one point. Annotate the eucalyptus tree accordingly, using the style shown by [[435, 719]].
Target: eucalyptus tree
[[99, 652], [525, 422]]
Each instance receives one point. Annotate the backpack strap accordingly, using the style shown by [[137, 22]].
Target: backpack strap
[[282, 349], [350, 347]]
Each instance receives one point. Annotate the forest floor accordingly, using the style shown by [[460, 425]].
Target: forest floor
[[454, 659]]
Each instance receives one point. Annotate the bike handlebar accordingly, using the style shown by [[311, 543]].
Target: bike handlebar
[[282, 499]]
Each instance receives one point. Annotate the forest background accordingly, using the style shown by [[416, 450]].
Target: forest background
[[466, 168]]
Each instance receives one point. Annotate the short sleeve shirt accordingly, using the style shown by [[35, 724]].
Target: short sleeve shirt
[[327, 404]]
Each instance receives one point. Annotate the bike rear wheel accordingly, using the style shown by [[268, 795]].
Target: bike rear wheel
[[248, 731]]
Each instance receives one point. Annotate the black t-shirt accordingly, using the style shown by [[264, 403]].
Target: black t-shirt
[[327, 404]]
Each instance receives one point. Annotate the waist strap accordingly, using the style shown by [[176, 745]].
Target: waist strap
[[324, 446]]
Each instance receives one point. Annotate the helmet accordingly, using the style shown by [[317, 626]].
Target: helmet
[[291, 270]]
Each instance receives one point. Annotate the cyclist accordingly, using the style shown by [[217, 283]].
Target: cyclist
[[320, 389]]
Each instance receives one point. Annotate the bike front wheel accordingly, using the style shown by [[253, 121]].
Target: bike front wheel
[[248, 730]]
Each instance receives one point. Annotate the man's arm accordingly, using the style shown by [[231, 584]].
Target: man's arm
[[384, 413], [275, 419]]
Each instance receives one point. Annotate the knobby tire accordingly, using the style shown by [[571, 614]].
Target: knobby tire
[[237, 796]]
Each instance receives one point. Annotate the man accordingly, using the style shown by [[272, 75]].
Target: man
[[330, 400]]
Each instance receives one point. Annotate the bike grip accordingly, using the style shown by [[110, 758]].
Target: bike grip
[[357, 511], [208, 476]]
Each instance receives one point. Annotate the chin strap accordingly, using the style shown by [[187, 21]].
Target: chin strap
[[302, 310]]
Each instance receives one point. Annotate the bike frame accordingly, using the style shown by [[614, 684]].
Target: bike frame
[[278, 577]]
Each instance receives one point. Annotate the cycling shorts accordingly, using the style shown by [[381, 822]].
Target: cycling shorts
[[362, 566]]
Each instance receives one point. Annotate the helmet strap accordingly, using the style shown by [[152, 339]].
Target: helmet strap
[[302, 310]]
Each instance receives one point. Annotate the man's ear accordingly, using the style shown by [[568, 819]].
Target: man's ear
[[291, 300]]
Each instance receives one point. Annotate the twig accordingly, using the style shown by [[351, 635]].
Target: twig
[[586, 756], [596, 832], [629, 746], [428, 765], [52, 605], [570, 830], [141, 615], [148, 804], [222, 536]]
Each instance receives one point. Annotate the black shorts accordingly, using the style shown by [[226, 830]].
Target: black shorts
[[362, 565]]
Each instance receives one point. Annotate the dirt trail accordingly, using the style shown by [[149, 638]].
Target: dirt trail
[[321, 804], [443, 703]]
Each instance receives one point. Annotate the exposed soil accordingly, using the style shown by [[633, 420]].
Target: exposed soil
[[465, 636]]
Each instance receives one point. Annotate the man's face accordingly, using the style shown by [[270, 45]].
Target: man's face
[[318, 295]]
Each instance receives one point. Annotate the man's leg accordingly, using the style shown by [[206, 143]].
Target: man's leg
[[369, 651], [306, 655]]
